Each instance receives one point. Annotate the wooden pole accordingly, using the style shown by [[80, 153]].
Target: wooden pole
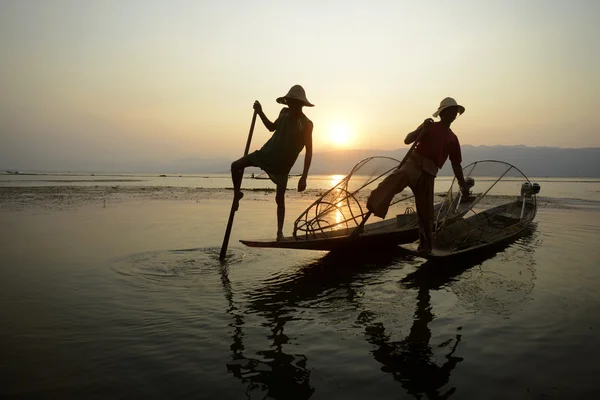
[[232, 212]]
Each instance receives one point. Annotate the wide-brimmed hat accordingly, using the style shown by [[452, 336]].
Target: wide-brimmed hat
[[448, 102], [297, 93]]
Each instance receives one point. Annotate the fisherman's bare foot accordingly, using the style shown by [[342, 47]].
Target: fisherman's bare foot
[[370, 208], [280, 236], [236, 199], [466, 199], [424, 249]]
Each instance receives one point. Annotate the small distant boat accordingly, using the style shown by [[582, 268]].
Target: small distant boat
[[265, 176], [261, 176], [12, 172], [486, 228]]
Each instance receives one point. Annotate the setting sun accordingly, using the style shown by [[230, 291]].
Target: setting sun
[[340, 135]]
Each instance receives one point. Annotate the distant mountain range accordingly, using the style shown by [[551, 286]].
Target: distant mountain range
[[533, 161]]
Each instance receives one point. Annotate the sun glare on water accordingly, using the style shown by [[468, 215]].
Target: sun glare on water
[[335, 179]]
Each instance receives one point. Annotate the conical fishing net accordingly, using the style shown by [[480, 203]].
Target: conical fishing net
[[341, 209], [503, 203]]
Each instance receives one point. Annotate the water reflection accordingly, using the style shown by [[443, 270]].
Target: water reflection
[[411, 360], [275, 374], [280, 374], [335, 179]]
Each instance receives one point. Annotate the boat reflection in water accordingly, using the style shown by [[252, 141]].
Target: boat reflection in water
[[273, 373]]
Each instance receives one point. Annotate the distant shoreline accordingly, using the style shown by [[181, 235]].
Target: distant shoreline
[[69, 197]]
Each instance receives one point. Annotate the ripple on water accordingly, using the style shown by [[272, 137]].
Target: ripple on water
[[170, 266]]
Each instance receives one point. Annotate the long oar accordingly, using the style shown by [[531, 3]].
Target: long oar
[[232, 212], [359, 228]]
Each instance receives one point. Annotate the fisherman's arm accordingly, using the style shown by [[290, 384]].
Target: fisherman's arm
[[458, 172], [307, 158], [411, 137], [456, 161], [268, 124]]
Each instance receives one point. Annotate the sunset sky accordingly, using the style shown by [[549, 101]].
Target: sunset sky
[[144, 80]]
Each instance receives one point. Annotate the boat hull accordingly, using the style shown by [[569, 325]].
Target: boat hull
[[391, 232], [474, 242], [340, 243]]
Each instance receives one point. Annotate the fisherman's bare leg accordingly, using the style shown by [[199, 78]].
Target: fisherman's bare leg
[[237, 173], [381, 197], [424, 202], [280, 199]]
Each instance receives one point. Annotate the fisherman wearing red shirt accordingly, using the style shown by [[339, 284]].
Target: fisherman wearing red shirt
[[437, 143]]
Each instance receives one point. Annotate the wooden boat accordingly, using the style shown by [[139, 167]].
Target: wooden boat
[[329, 222], [391, 232], [486, 228]]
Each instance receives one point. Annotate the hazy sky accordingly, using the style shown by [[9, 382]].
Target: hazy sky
[[102, 81]]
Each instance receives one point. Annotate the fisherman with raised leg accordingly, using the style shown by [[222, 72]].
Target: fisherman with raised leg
[[292, 132], [436, 143]]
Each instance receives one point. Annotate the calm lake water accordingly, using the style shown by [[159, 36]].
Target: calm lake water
[[129, 300]]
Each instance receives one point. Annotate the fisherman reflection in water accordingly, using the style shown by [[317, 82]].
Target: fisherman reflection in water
[[410, 361], [437, 142], [293, 131]]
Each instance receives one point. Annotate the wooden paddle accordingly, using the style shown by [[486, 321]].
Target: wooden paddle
[[361, 226], [232, 212]]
